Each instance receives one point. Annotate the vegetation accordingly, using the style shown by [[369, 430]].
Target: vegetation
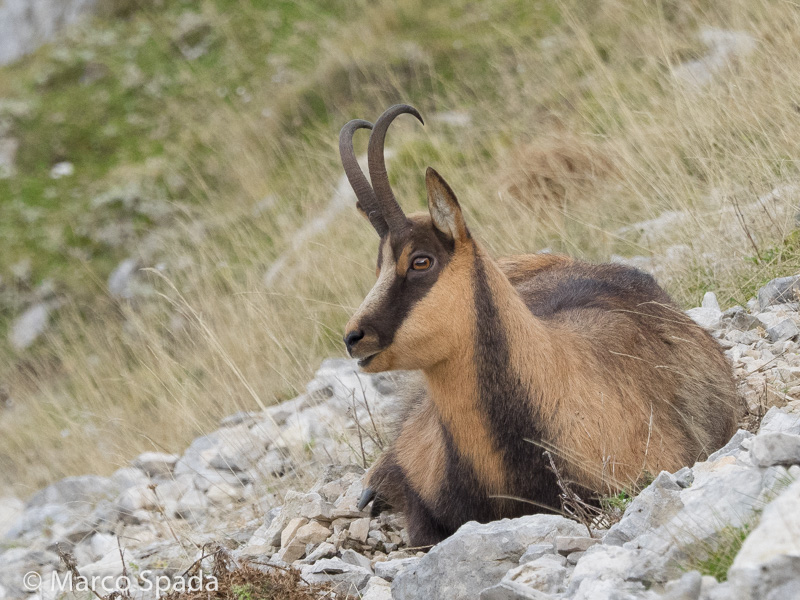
[[203, 137], [719, 558]]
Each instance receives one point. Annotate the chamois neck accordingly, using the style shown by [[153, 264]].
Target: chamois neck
[[491, 394], [501, 330]]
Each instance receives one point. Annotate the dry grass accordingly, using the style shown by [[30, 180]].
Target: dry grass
[[578, 129]]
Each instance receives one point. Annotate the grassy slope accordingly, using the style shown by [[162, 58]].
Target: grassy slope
[[577, 129]]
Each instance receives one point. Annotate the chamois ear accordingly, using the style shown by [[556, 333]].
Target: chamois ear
[[444, 208]]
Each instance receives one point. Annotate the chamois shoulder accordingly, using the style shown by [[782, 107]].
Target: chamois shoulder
[[551, 284]]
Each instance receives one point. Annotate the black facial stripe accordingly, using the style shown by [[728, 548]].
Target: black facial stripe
[[510, 410], [397, 304], [406, 291]]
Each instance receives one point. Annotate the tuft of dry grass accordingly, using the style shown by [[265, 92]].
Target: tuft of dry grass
[[578, 128]]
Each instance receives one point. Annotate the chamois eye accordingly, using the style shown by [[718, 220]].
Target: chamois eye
[[421, 263]]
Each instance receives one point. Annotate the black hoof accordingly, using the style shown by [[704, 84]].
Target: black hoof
[[366, 497]]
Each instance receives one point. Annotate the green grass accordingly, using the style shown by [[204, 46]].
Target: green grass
[[718, 560], [577, 93]]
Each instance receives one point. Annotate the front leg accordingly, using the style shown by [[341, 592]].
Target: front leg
[[385, 486], [424, 529]]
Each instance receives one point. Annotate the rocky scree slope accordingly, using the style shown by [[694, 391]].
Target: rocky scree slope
[[167, 511]]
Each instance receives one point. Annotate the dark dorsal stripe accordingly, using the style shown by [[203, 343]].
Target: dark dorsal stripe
[[510, 409]]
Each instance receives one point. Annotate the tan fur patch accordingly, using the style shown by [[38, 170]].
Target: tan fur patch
[[440, 333], [421, 452], [524, 266]]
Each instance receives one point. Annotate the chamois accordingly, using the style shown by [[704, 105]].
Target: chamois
[[520, 355]]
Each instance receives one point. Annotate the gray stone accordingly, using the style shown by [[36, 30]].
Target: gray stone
[[655, 505], [683, 477], [775, 579], [774, 448], [535, 551], [27, 24], [354, 558], [734, 447], [76, 492], [686, 588], [725, 48], [345, 578], [723, 493], [477, 556], [782, 331], [389, 569], [10, 510], [27, 328], [771, 546], [359, 529], [324, 550], [156, 464], [777, 420], [191, 505], [8, 157], [740, 319], [506, 590], [122, 282], [777, 291], [545, 574], [313, 533], [568, 544], [377, 589], [128, 477], [708, 318]]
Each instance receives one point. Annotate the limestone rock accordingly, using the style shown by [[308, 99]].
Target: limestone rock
[[27, 328], [389, 569], [377, 589], [783, 289], [774, 448], [782, 331], [345, 578], [156, 464], [477, 556]]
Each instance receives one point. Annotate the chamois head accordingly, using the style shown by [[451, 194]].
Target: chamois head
[[407, 319]]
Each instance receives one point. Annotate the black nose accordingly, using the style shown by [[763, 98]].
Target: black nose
[[352, 338]]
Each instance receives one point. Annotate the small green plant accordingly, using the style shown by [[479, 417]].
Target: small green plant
[[618, 502], [718, 558], [243, 591]]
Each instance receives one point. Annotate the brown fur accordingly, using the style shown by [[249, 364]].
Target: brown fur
[[532, 352]]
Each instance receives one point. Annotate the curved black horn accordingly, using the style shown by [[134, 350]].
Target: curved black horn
[[367, 202], [391, 210]]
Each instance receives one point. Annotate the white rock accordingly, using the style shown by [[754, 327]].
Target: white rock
[[782, 331], [313, 533], [354, 558], [377, 589], [62, 169], [545, 574], [705, 317], [27, 24], [389, 569], [10, 510], [8, 157], [773, 448], [27, 328], [359, 529], [156, 464], [710, 301], [287, 535], [324, 550], [346, 578], [477, 556], [768, 564]]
